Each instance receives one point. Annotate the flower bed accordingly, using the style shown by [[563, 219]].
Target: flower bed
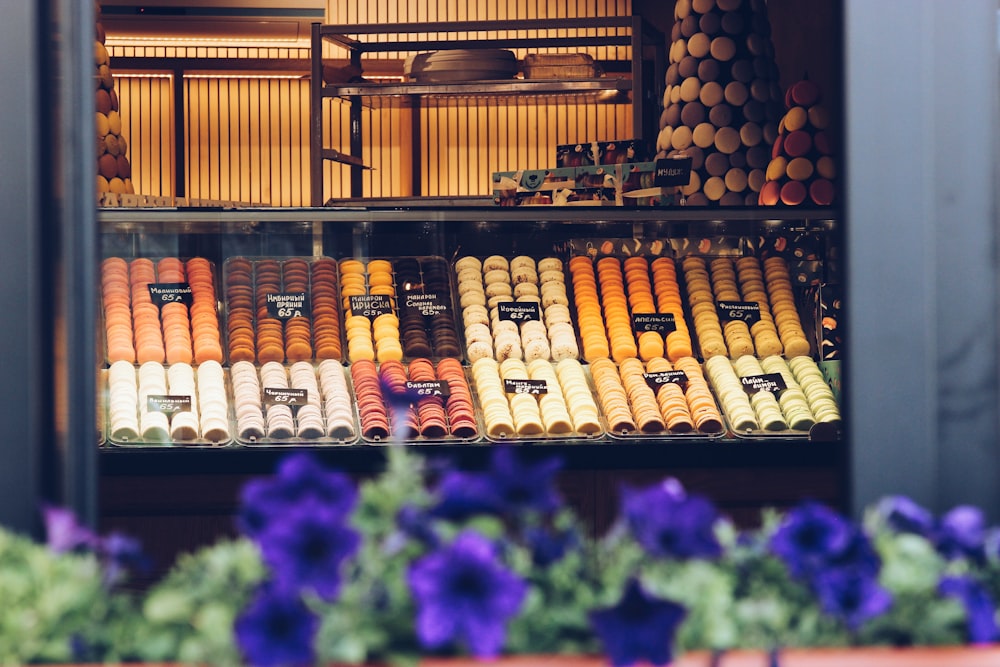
[[427, 562]]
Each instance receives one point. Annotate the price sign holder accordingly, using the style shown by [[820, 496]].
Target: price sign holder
[[739, 311], [535, 387], [370, 305], [660, 378], [427, 389], [293, 398], [518, 311], [663, 323], [168, 404], [164, 293], [286, 305], [772, 382], [672, 171]]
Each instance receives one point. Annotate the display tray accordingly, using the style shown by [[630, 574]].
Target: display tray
[[152, 405], [419, 402], [282, 309], [161, 309], [399, 308], [304, 403]]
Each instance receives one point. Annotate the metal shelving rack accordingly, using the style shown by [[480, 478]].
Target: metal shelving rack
[[647, 58]]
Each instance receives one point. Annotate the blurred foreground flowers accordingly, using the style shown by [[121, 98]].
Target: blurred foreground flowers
[[427, 559]]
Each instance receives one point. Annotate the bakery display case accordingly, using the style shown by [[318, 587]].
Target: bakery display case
[[585, 329]]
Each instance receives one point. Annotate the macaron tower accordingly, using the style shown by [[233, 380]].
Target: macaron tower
[[114, 174], [722, 99], [802, 169]]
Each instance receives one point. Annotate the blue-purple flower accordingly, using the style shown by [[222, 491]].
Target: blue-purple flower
[[416, 523], [962, 532], [463, 593], [299, 479], [276, 629], [810, 537], [507, 486], [119, 554], [549, 546], [306, 548], [852, 595], [64, 533], [639, 627], [980, 610], [906, 516], [671, 524]]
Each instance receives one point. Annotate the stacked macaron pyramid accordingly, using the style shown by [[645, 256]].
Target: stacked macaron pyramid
[[722, 99], [802, 169], [114, 173]]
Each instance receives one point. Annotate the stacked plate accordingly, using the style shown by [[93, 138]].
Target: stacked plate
[[461, 65]]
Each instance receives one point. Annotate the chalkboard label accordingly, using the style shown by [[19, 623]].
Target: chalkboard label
[[672, 171], [428, 388], [426, 304], [663, 323], [739, 311], [164, 293], [518, 311], [772, 382], [526, 386], [286, 305], [168, 405], [370, 305], [660, 378]]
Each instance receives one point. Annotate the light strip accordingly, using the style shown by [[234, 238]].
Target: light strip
[[204, 41]]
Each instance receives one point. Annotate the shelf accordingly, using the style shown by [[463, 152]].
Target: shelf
[[605, 456]]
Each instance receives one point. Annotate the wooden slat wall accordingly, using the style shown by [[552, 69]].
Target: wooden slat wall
[[247, 139]]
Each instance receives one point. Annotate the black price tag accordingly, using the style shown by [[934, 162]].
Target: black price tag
[[739, 311], [164, 293], [672, 171], [772, 382], [293, 398], [518, 311], [429, 388], [526, 386], [426, 304], [660, 378], [286, 305], [371, 305], [663, 323], [168, 405]]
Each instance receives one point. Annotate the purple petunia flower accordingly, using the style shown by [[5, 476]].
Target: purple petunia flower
[[548, 546], [638, 628], [300, 478], [119, 554], [980, 610], [64, 533], [851, 595], [306, 549], [671, 524], [462, 495], [463, 593], [416, 523], [275, 629], [906, 516], [962, 532], [811, 536]]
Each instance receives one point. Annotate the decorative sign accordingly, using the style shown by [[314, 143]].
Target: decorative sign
[[418, 390], [663, 323], [426, 304], [285, 396], [672, 171], [370, 305], [772, 382], [168, 405], [164, 293], [286, 305], [518, 311], [526, 386], [739, 311], [658, 379]]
